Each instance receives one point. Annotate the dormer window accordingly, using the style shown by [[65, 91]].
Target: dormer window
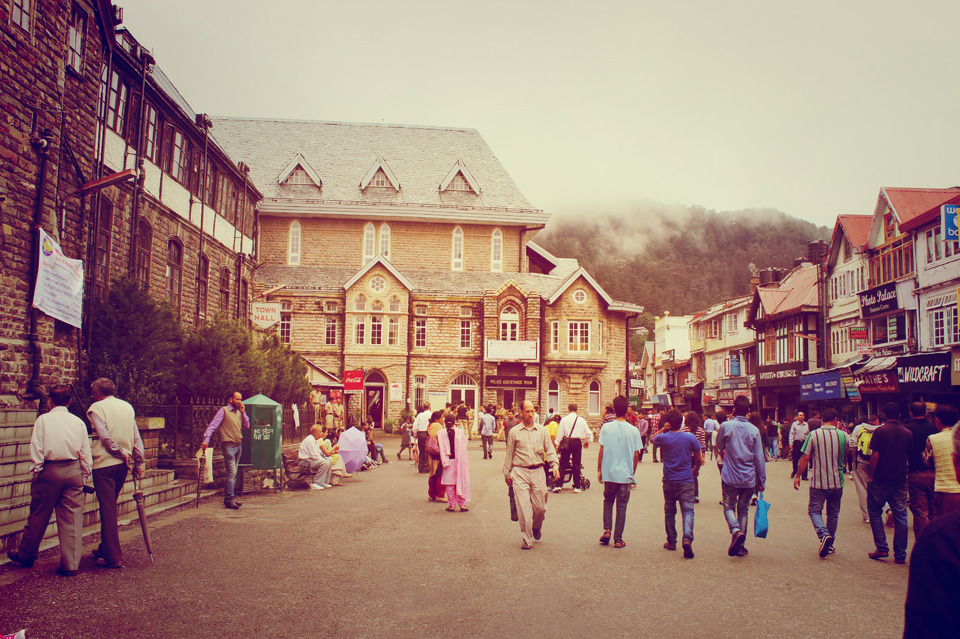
[[459, 183], [298, 177], [459, 179], [380, 179], [298, 172]]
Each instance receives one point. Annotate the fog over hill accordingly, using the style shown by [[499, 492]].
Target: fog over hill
[[675, 258]]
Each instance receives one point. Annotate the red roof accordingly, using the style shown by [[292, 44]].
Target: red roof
[[915, 207], [856, 228], [797, 290]]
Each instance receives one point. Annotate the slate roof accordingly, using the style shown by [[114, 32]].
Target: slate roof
[[342, 153]]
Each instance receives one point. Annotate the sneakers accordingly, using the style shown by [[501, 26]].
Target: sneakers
[[328, 485], [825, 545], [316, 487], [687, 549], [577, 490], [556, 489], [736, 543]]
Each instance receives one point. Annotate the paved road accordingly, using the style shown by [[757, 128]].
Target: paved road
[[375, 559]]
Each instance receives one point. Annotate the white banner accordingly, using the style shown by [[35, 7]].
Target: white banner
[[265, 314], [396, 392], [59, 286]]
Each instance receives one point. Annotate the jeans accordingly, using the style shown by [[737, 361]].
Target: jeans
[[832, 498], [774, 449], [736, 506], [486, 441], [920, 488], [672, 493], [879, 494], [620, 493], [231, 456]]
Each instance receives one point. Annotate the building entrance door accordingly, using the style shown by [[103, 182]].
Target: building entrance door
[[374, 387]]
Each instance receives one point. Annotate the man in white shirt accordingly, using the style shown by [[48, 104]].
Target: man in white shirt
[[420, 425], [576, 431], [488, 425], [313, 463], [60, 452], [798, 434]]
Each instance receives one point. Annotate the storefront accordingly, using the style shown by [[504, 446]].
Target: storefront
[[926, 377], [877, 384], [730, 389], [778, 387]]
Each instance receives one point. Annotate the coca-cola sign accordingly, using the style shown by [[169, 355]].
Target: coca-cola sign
[[353, 380]]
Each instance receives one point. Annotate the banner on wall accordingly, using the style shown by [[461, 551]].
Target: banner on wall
[[58, 290]]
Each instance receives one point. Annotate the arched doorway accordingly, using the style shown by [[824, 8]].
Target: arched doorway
[[374, 391], [464, 387]]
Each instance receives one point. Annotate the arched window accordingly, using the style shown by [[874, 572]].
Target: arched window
[[144, 248], [174, 272], [369, 243], [456, 254], [225, 291], [360, 304], [293, 244], [202, 279], [385, 240], [496, 251], [509, 324], [553, 396], [394, 304], [593, 405]]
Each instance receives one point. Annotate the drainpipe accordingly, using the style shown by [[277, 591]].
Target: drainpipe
[[626, 370], [41, 142], [145, 61], [543, 329], [203, 121], [236, 231]]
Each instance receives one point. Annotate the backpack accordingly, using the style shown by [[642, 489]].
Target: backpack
[[863, 443]]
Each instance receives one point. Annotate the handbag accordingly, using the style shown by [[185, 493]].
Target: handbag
[[761, 524], [432, 447], [564, 444]]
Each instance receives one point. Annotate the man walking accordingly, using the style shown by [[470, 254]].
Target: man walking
[[115, 441], [744, 471], [860, 441], [799, 430], [488, 425], [619, 456], [60, 452], [421, 425], [709, 426], [888, 484], [571, 435], [229, 419], [823, 452], [920, 476], [643, 426], [682, 458], [529, 452]]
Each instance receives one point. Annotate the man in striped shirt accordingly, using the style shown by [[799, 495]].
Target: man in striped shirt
[[823, 452]]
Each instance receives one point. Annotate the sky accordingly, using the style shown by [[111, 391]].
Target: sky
[[599, 107]]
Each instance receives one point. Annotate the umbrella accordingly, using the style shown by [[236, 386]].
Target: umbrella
[[353, 449], [142, 513]]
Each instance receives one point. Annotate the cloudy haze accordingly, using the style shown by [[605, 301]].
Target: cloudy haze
[[808, 107]]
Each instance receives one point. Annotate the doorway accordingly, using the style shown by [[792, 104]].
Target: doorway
[[373, 387]]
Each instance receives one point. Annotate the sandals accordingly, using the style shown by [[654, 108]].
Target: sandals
[[619, 543], [451, 509], [605, 538], [464, 509]]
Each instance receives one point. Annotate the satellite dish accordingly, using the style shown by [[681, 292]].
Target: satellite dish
[[753, 269]]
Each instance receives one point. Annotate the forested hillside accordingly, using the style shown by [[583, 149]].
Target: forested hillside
[[679, 260]]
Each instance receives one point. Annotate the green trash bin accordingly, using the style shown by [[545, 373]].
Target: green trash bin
[[265, 437]]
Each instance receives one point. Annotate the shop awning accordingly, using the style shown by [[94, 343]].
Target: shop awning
[[878, 365]]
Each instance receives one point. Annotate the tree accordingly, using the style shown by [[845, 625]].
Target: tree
[[136, 341], [222, 358], [285, 373]]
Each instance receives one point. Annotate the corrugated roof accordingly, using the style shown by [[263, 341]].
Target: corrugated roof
[[909, 204], [342, 153], [797, 290], [856, 228]]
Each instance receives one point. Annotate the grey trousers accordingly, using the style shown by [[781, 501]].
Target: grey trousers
[[57, 487]]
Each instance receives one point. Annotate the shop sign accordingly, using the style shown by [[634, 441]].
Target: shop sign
[[779, 374], [881, 299], [396, 392], [887, 351], [820, 386], [727, 395], [858, 332], [735, 364], [734, 382], [948, 223], [353, 380], [955, 366], [710, 396], [926, 372], [883, 382], [671, 379], [508, 381], [849, 384]]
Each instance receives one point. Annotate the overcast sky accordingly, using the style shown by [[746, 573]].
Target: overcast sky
[[807, 107]]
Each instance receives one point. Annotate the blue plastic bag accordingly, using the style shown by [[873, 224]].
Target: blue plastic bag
[[760, 522]]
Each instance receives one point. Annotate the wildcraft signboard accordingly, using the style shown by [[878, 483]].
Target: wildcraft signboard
[[924, 373], [881, 299]]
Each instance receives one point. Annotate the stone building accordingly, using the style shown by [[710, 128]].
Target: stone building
[[406, 252]]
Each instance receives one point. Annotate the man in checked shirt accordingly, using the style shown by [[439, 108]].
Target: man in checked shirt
[[529, 449]]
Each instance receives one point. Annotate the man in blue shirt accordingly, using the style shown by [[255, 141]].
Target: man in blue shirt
[[619, 454], [681, 456], [744, 471]]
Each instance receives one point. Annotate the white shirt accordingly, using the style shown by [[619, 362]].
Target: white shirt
[[422, 422], [60, 435], [310, 449], [574, 426]]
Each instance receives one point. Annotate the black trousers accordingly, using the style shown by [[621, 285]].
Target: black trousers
[[796, 453], [108, 482], [423, 464], [570, 460]]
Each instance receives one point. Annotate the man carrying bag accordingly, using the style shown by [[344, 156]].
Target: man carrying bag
[[574, 434]]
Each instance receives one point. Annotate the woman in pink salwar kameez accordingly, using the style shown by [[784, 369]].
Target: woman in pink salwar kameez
[[456, 465]]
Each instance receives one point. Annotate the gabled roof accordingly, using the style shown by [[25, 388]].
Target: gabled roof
[[855, 228], [385, 264], [380, 165], [913, 207], [332, 380], [796, 292], [461, 168], [573, 277], [341, 152], [510, 283], [928, 216], [299, 160]]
